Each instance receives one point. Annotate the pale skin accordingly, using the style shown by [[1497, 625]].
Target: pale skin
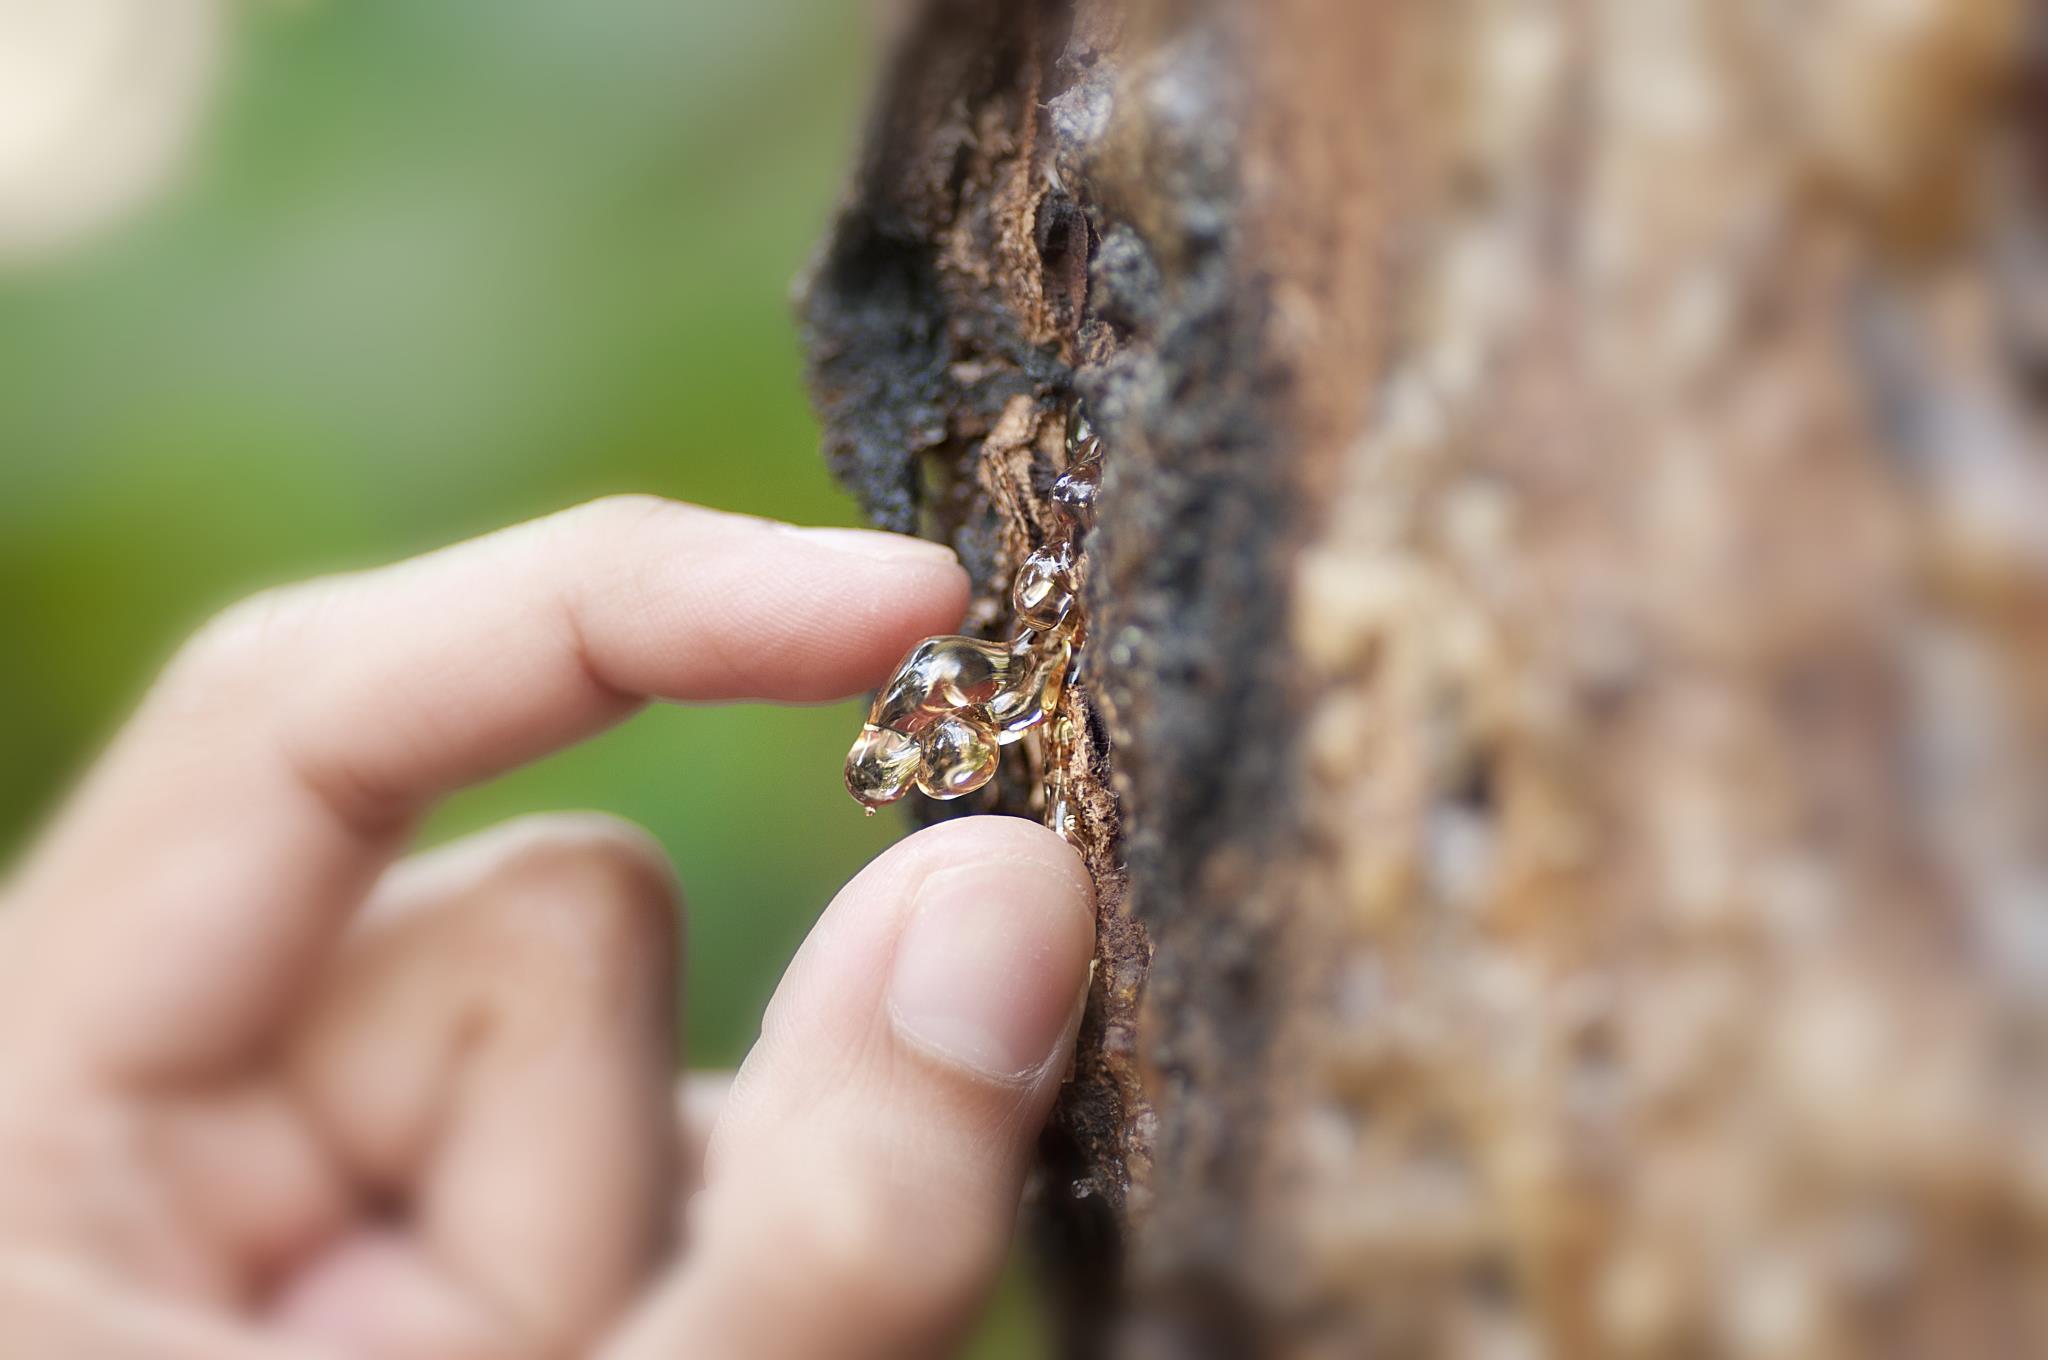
[[272, 1090]]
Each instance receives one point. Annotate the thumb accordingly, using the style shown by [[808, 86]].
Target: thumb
[[862, 1185]]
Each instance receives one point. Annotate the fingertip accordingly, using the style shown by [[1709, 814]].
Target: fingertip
[[984, 983], [1018, 840], [991, 965], [729, 606], [878, 545], [839, 978], [920, 595]]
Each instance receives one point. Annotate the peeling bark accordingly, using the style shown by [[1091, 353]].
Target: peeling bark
[[1563, 736]]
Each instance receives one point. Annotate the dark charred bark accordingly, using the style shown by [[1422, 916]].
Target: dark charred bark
[[1562, 745]]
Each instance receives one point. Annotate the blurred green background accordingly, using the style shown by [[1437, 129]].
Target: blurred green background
[[441, 265]]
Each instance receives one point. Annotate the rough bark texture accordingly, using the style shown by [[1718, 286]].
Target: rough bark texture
[[1564, 734]]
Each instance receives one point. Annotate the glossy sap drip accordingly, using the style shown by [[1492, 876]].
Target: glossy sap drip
[[939, 724]]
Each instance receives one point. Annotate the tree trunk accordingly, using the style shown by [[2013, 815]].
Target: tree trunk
[[1561, 736]]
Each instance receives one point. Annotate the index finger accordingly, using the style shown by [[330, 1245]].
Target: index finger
[[285, 755]]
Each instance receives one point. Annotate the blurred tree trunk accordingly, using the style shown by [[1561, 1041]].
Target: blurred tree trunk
[[1564, 729]]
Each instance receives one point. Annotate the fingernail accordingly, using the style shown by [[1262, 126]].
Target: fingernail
[[988, 969], [877, 546]]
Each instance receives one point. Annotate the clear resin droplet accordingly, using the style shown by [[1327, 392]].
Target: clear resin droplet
[[1040, 675], [1083, 443], [954, 702], [940, 675], [881, 766], [1062, 811], [959, 756], [1063, 815], [1075, 492], [1044, 593], [967, 672]]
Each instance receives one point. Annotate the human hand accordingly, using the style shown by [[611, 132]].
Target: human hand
[[264, 1094]]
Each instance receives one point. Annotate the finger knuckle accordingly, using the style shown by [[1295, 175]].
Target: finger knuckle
[[241, 639], [608, 517], [601, 878]]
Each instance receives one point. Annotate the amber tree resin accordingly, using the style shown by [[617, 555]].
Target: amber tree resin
[[941, 722]]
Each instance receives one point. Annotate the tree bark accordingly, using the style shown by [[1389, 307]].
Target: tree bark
[[1561, 736]]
